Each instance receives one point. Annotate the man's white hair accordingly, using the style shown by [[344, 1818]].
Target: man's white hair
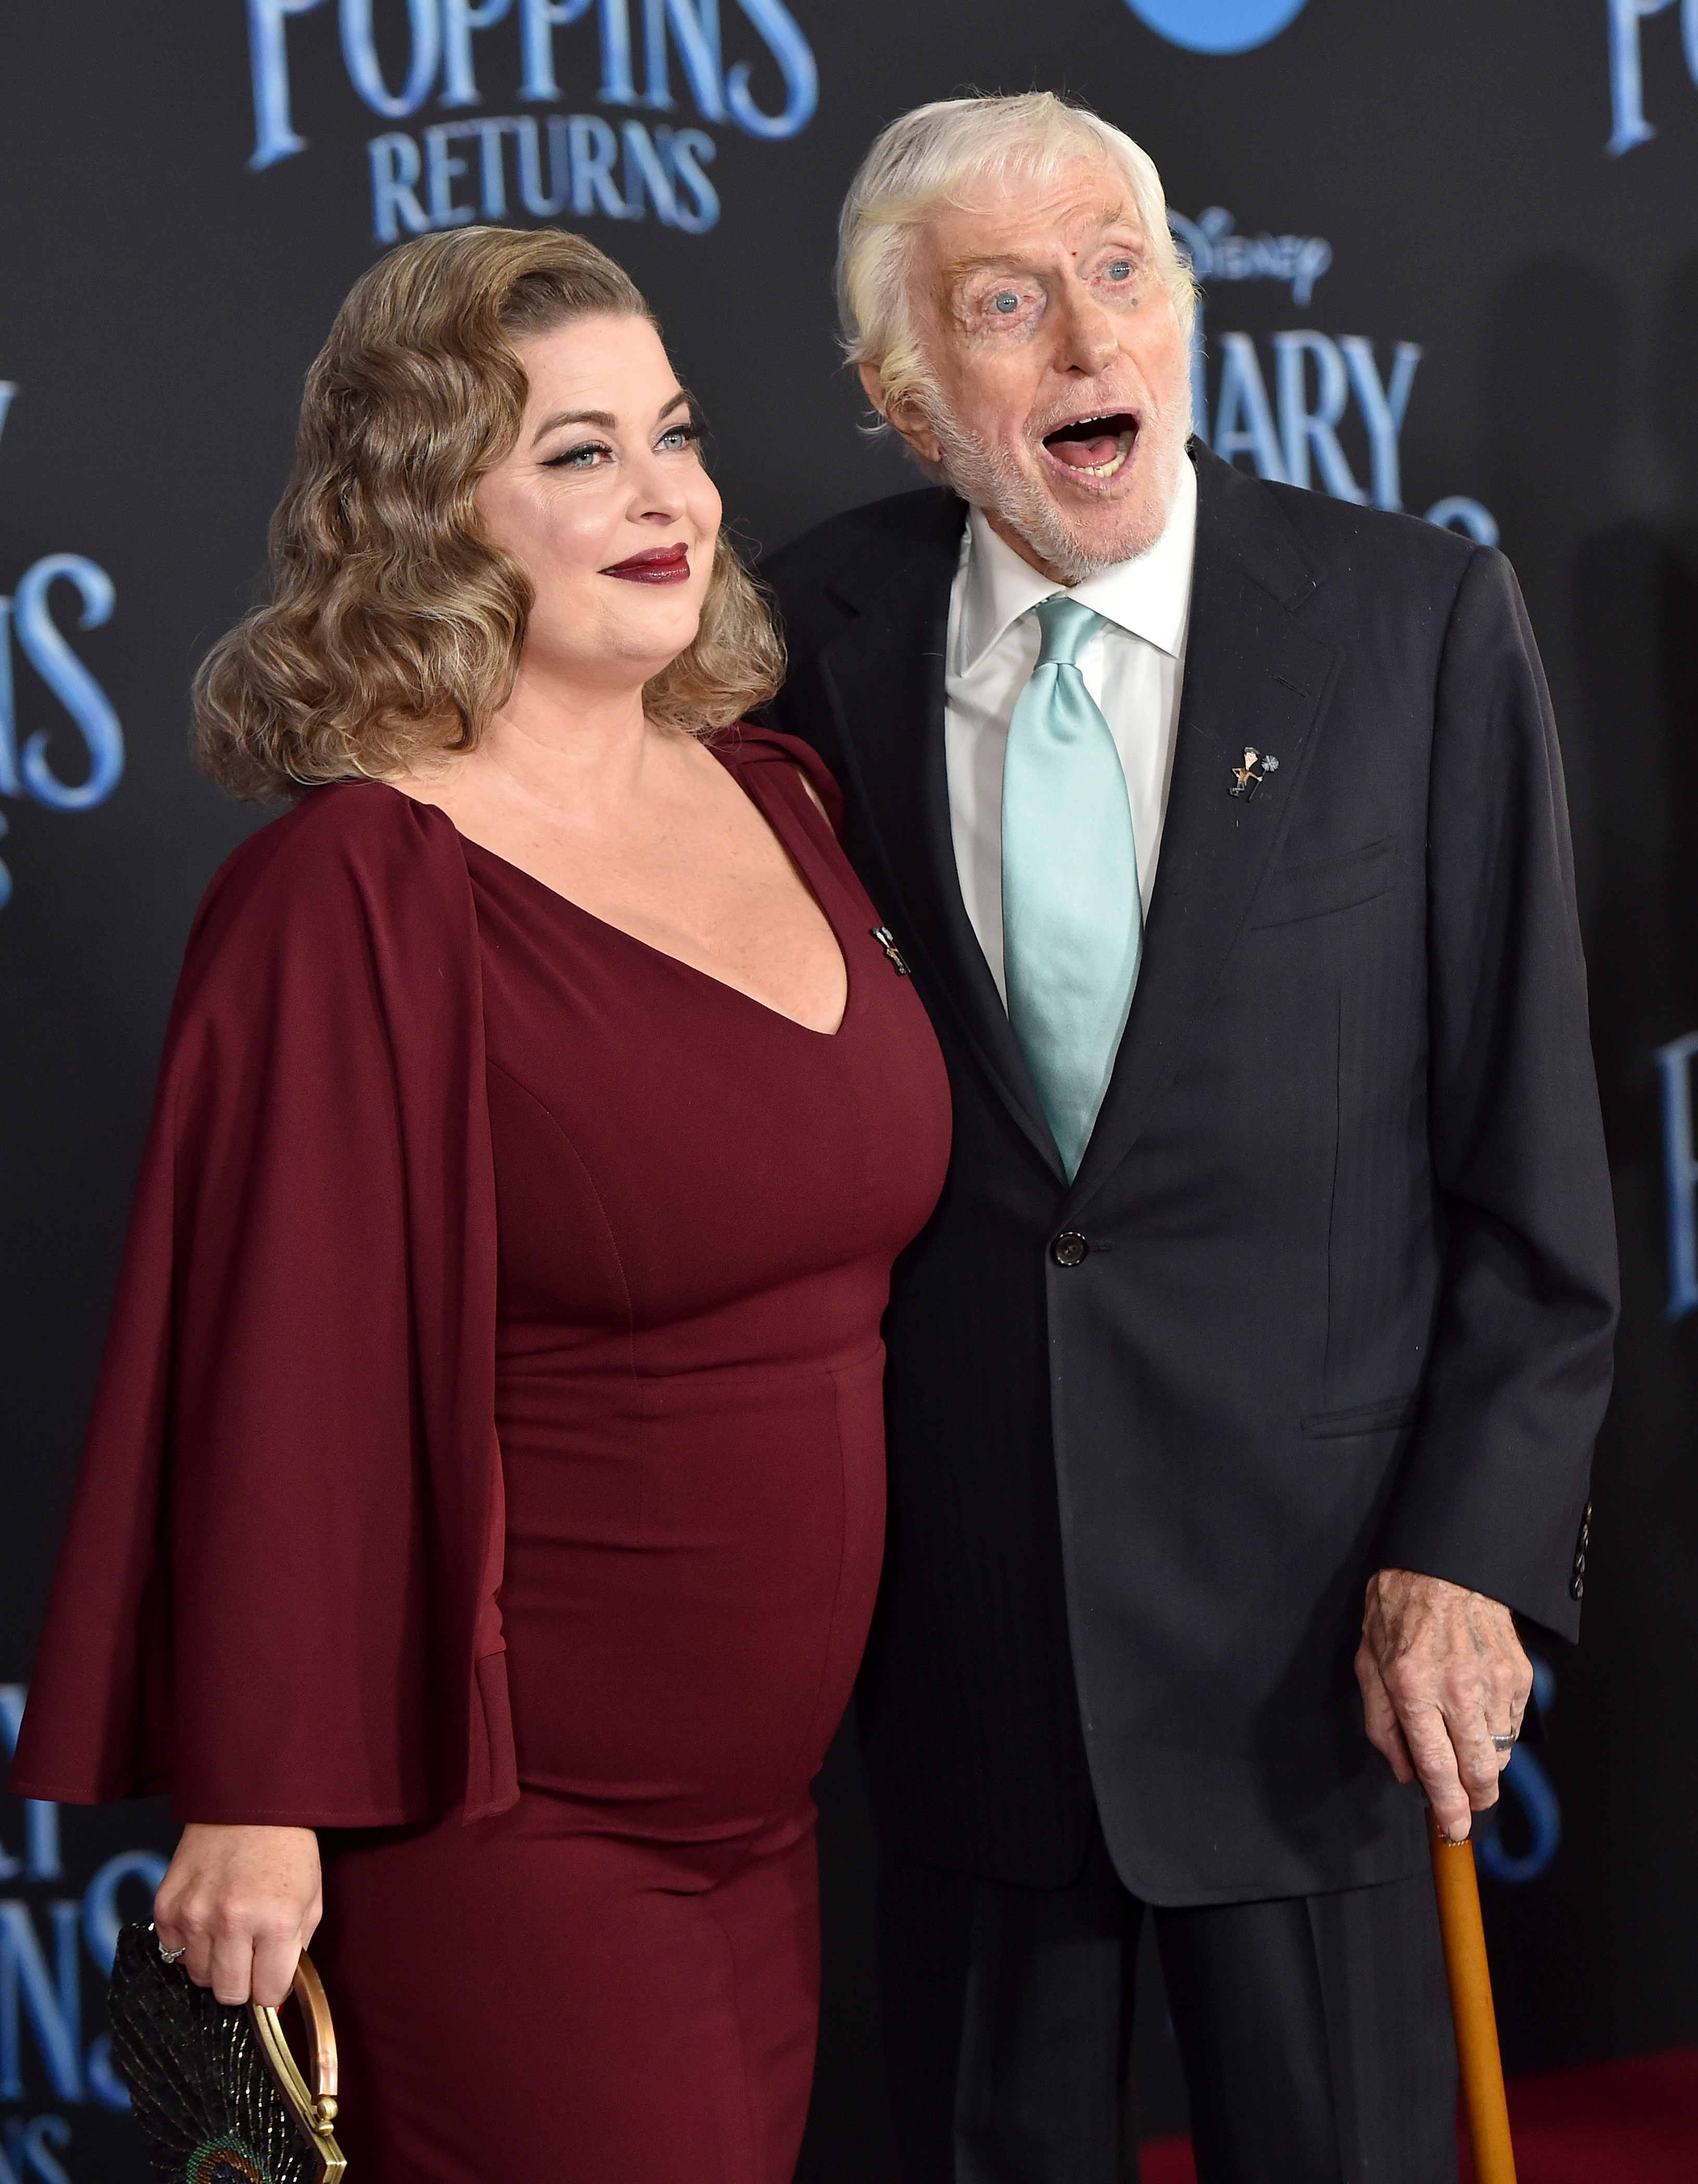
[[944, 155]]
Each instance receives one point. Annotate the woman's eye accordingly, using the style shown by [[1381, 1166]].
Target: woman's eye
[[1006, 302], [1121, 269], [583, 457], [677, 437]]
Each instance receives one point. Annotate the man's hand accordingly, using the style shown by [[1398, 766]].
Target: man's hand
[[1442, 1674], [242, 1903]]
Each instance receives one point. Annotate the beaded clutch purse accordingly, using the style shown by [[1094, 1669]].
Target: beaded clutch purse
[[216, 2090]]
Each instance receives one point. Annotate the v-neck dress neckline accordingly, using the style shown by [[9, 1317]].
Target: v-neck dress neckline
[[804, 854]]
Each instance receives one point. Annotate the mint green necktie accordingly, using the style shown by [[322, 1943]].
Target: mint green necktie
[[1072, 923]]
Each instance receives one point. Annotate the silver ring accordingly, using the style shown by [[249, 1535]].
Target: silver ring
[[170, 1956], [1503, 1743]]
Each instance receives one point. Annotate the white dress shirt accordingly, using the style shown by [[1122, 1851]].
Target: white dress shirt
[[1133, 666]]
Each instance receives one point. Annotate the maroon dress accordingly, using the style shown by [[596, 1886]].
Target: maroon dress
[[599, 1964]]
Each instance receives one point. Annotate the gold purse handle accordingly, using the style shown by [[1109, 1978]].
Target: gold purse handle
[[314, 2105]]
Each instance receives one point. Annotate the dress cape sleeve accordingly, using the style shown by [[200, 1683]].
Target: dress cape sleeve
[[749, 745], [276, 1596]]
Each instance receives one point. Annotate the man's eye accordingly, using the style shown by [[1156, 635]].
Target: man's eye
[[1007, 302], [1121, 269]]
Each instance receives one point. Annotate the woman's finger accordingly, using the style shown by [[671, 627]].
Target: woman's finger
[[198, 1960], [277, 1952], [232, 1966]]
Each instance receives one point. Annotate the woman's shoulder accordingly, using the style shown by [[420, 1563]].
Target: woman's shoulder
[[748, 745], [355, 872], [337, 845]]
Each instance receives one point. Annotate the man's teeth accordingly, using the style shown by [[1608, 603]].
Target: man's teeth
[[1122, 449]]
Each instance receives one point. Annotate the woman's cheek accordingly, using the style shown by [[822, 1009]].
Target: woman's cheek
[[706, 508]]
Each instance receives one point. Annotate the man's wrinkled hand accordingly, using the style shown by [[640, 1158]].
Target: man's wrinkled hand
[[1442, 1674]]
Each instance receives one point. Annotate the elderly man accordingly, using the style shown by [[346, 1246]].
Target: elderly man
[[1266, 1319]]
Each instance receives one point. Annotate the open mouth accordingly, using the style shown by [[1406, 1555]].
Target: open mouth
[[1094, 447], [658, 565]]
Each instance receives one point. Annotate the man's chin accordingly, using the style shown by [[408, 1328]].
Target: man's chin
[[1120, 533], [1078, 541], [1072, 531]]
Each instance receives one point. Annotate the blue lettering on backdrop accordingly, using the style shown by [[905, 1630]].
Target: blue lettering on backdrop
[[1629, 126], [1293, 438], [1680, 1173], [783, 40], [27, 2152], [274, 133], [624, 176], [28, 616], [1526, 1783], [365, 70], [665, 171], [46, 1949], [461, 17], [537, 21], [1217, 27]]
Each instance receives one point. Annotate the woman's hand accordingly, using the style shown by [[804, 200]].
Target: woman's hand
[[244, 1903]]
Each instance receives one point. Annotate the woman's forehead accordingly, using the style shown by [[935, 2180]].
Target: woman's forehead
[[620, 355]]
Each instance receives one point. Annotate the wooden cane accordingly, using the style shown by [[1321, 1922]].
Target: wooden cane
[[1470, 1979]]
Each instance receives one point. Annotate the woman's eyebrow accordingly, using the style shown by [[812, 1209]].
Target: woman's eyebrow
[[603, 420]]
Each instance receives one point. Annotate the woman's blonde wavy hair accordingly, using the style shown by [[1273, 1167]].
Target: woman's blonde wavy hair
[[394, 626]]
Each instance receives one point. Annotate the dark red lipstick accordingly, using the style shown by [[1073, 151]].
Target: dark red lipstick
[[657, 564]]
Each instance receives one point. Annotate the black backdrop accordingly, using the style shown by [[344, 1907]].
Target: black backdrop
[[1451, 258]]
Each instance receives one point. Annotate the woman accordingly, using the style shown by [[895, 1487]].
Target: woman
[[483, 1505]]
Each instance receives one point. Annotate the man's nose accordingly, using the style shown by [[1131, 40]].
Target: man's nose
[[1088, 339]]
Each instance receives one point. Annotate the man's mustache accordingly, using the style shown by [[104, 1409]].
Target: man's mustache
[[1108, 404]]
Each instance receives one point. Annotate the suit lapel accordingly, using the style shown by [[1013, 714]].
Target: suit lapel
[[883, 677], [1253, 677]]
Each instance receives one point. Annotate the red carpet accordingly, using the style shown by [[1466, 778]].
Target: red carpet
[[1635, 2122]]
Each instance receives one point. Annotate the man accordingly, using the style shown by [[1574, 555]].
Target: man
[[1220, 826]]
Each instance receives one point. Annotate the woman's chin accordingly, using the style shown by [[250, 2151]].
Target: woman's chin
[[653, 649], [632, 648]]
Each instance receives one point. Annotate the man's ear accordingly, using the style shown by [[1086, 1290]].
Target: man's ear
[[903, 418], [872, 386]]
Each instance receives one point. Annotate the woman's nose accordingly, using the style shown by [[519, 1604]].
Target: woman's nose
[[658, 495]]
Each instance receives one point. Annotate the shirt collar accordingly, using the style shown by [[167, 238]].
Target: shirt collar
[[1150, 597]]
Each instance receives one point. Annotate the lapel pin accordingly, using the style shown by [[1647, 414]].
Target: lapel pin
[[887, 940], [1248, 777]]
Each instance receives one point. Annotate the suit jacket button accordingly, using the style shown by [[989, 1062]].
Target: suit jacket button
[[1070, 1249]]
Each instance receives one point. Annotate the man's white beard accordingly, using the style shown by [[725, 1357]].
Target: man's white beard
[[991, 479]]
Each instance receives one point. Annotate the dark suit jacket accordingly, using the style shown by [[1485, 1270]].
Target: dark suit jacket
[[1349, 1291]]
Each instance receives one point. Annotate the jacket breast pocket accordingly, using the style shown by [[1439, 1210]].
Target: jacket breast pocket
[[1331, 883]]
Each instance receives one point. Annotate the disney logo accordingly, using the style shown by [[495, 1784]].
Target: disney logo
[[1216, 252]]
